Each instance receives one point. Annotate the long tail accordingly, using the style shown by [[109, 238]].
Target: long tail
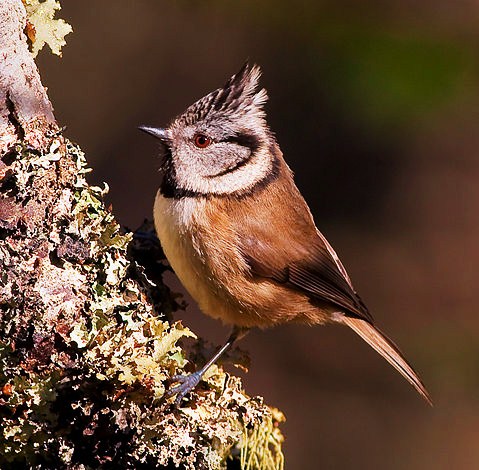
[[384, 346]]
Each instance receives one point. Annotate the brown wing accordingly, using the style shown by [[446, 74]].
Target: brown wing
[[320, 274], [312, 268]]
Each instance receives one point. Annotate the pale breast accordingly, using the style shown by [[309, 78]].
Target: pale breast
[[173, 221], [176, 223]]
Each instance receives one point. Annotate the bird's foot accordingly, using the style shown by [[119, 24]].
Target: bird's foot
[[186, 383]]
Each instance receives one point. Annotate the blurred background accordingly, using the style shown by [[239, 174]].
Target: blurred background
[[375, 105]]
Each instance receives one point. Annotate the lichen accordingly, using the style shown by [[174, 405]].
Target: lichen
[[43, 28], [87, 344], [261, 446]]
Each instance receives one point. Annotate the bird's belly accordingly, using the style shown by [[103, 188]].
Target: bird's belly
[[217, 281], [173, 223]]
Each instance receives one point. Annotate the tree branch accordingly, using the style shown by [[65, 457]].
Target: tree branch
[[24, 104], [86, 348]]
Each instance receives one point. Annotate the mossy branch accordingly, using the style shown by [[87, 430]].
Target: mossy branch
[[86, 342]]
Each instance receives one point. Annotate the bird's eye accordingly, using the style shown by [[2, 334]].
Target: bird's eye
[[202, 141]]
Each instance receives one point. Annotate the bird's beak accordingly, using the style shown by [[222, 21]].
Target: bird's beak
[[161, 134]]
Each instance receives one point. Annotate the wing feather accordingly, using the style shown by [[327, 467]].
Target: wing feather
[[316, 272]]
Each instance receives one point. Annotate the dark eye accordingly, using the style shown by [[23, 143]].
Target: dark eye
[[202, 141]]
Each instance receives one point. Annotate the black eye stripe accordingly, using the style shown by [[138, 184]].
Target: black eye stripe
[[250, 141]]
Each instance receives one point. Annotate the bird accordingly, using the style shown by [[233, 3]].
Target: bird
[[240, 236]]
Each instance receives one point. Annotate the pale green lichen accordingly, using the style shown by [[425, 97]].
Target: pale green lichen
[[261, 446], [46, 29], [138, 352], [84, 383]]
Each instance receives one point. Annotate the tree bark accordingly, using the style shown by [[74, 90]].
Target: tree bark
[[87, 345], [24, 104]]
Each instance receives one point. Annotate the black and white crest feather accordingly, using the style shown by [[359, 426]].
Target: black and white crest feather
[[237, 98]]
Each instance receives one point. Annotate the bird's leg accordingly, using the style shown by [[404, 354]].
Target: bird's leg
[[189, 381]]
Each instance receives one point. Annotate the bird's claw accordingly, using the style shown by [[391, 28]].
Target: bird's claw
[[186, 383]]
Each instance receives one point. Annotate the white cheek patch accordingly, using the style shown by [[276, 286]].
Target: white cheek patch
[[245, 177]]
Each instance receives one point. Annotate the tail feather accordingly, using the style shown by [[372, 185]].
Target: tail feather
[[384, 346]]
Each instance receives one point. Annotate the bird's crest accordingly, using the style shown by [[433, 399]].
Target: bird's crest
[[238, 97]]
